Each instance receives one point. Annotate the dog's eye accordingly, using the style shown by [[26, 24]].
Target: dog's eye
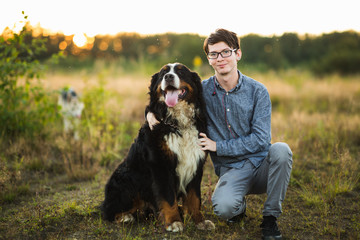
[[164, 69], [179, 72]]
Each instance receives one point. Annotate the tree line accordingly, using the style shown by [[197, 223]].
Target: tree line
[[336, 52]]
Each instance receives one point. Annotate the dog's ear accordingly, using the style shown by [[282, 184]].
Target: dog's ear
[[159, 109], [200, 103], [153, 84], [153, 88], [197, 80]]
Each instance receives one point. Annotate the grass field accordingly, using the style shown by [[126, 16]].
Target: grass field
[[51, 188]]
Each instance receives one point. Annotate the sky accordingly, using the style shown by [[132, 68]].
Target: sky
[[263, 17]]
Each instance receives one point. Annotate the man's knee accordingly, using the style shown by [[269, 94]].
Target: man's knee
[[228, 207], [280, 152]]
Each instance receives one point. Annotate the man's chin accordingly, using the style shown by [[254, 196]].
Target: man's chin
[[223, 72]]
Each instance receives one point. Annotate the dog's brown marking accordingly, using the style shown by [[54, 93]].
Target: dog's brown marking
[[137, 205], [166, 150], [192, 205], [169, 213], [158, 90], [166, 67], [190, 89]]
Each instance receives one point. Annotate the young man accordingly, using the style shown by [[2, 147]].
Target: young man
[[239, 135]]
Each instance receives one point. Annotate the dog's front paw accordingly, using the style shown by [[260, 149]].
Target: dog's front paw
[[128, 218], [206, 225], [175, 227]]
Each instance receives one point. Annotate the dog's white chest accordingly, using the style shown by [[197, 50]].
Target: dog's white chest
[[188, 152]]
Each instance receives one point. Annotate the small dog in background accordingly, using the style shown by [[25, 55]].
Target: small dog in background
[[71, 109]]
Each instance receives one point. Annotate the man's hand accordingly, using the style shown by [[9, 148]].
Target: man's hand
[[206, 143], [151, 119]]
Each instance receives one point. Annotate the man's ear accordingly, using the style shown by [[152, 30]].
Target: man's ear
[[238, 54]]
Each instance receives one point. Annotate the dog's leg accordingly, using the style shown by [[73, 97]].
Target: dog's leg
[[128, 217], [164, 192], [192, 204], [171, 216], [206, 225]]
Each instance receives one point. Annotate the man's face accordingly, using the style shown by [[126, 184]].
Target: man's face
[[224, 65]]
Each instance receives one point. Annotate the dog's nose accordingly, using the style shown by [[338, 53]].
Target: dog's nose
[[169, 78]]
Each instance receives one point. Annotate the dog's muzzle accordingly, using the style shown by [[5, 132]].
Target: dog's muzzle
[[172, 95]]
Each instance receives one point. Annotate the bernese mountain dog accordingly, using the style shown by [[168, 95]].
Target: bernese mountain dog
[[164, 166]]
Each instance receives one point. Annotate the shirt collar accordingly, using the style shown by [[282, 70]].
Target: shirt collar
[[237, 87]]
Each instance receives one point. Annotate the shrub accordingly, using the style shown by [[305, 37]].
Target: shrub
[[24, 105]]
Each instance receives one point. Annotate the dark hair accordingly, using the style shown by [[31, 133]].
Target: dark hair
[[222, 35]]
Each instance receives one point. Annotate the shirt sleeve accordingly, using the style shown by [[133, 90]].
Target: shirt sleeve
[[259, 137]]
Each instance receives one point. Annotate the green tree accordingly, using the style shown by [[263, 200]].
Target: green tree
[[290, 47]]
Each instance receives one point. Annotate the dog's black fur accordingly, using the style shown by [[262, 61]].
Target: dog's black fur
[[151, 175]]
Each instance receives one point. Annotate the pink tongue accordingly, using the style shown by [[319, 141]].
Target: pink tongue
[[171, 98]]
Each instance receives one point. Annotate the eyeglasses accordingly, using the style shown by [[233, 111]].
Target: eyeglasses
[[225, 53]]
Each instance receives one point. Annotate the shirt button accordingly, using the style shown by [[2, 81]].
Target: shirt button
[[227, 94], [228, 110], [229, 126]]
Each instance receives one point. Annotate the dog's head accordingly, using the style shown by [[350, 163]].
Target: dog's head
[[175, 83], [70, 103], [68, 95]]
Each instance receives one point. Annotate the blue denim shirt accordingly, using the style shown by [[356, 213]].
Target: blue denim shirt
[[239, 121]]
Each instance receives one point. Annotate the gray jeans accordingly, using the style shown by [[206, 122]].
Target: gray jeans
[[271, 177]]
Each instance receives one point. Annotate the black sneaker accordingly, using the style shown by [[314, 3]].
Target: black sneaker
[[237, 218], [270, 230]]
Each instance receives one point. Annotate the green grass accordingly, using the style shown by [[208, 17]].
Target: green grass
[[51, 188]]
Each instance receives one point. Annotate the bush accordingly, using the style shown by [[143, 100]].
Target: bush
[[24, 106]]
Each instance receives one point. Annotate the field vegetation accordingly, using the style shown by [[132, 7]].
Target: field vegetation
[[51, 186]]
